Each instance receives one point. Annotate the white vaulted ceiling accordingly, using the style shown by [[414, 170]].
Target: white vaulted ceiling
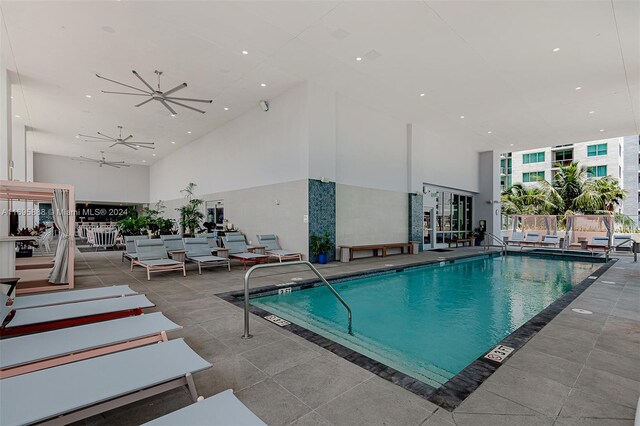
[[489, 61]]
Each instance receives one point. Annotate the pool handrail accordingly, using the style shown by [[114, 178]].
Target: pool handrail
[[246, 334], [634, 249], [501, 243]]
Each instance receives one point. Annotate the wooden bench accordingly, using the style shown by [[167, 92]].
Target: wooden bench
[[378, 248], [462, 241]]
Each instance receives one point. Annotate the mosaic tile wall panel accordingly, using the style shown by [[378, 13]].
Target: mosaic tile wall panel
[[416, 218], [322, 211]]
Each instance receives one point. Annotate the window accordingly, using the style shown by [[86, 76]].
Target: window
[[534, 157], [532, 176], [597, 171], [595, 150], [564, 155]]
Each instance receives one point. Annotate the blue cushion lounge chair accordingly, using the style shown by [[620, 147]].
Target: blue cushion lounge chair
[[273, 249], [599, 243], [212, 240], [550, 240], [72, 392], [174, 246], [222, 409], [33, 352], [71, 296], [198, 252], [238, 250], [130, 246], [516, 238], [152, 255], [31, 320], [533, 238], [624, 242]]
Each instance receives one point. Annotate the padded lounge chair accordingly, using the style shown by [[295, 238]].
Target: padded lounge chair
[[273, 249], [599, 243], [130, 246], [198, 252], [72, 392], [216, 250], [71, 296], [624, 241], [222, 409], [516, 238], [550, 240], [238, 250], [152, 256], [44, 318], [25, 354], [174, 246], [532, 238]]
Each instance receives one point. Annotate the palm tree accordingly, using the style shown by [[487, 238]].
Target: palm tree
[[600, 195], [568, 183], [190, 214], [519, 199]]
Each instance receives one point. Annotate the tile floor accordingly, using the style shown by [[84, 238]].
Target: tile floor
[[579, 370]]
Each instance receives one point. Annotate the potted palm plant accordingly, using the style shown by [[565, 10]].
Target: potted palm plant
[[321, 246], [190, 214]]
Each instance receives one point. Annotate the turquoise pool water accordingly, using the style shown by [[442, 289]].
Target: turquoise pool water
[[431, 322]]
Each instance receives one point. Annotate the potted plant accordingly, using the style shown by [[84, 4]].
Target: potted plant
[[321, 246], [478, 234], [190, 214]]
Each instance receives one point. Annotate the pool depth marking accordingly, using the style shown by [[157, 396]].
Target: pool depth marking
[[499, 353]]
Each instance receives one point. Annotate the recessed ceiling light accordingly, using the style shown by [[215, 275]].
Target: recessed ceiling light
[[244, 52], [153, 155], [226, 108], [263, 84], [12, 97], [579, 88], [510, 144], [173, 142], [87, 96], [602, 130], [462, 116], [189, 131], [592, 112], [489, 132], [144, 161], [77, 136], [17, 116], [421, 94], [173, 115], [556, 49], [358, 59]]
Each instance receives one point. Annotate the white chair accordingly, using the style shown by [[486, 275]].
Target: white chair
[[104, 237]]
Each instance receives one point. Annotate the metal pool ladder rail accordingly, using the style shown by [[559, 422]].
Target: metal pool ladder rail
[[634, 249], [247, 276], [499, 241]]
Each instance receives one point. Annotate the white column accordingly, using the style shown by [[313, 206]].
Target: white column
[[487, 202]]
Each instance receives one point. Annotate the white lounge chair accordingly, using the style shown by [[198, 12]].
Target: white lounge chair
[[198, 252], [222, 409], [152, 256], [273, 249], [71, 296], [625, 241], [72, 392], [44, 318], [516, 238], [550, 240], [532, 238], [599, 243], [238, 250], [33, 352]]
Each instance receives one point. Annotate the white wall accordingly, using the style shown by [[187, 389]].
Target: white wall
[[257, 148], [93, 183], [369, 216]]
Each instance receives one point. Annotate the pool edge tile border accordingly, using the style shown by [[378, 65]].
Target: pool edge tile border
[[451, 394]]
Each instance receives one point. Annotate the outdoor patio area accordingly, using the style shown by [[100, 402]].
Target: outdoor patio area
[[579, 370]]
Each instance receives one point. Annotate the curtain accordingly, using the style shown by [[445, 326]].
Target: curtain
[[515, 223], [547, 223], [567, 234], [607, 224], [60, 206]]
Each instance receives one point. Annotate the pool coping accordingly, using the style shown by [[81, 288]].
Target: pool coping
[[451, 394]]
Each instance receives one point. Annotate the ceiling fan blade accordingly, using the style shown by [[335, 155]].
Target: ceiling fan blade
[[126, 93], [111, 146], [171, 110], [85, 158], [175, 89], [127, 138], [122, 84], [106, 136], [142, 80], [139, 145], [144, 102], [128, 145], [185, 106], [206, 101], [95, 137]]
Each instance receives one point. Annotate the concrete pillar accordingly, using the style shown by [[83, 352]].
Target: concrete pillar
[[487, 202]]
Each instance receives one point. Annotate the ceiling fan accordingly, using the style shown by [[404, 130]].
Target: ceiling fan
[[119, 140], [102, 161], [157, 94]]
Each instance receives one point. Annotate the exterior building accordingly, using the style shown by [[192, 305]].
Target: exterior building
[[617, 157]]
